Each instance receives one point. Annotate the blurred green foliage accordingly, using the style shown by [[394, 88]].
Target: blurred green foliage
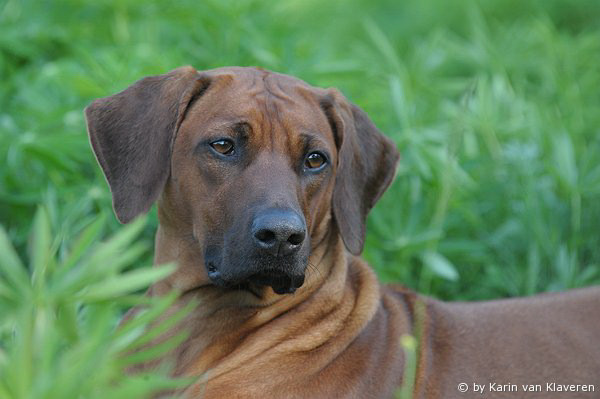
[[494, 106], [58, 336]]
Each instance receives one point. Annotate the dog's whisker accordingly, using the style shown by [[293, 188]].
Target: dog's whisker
[[312, 269]]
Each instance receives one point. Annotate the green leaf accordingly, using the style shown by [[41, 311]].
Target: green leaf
[[41, 240], [439, 265], [134, 326], [125, 283], [156, 349], [116, 245], [383, 44], [566, 166], [11, 267], [164, 325], [72, 280], [84, 242]]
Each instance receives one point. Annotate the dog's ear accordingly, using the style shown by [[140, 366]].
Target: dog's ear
[[366, 167], [132, 134]]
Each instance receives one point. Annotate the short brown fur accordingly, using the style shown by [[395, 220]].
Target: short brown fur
[[338, 335]]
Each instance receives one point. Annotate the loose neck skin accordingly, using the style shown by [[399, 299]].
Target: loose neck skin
[[228, 329]]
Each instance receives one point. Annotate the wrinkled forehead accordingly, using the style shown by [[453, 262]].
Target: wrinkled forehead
[[267, 101]]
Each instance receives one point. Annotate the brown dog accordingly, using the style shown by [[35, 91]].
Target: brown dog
[[263, 185]]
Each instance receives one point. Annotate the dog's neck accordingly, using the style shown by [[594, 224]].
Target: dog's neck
[[229, 328]]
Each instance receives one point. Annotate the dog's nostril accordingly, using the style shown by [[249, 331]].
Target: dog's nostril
[[265, 235], [296, 239]]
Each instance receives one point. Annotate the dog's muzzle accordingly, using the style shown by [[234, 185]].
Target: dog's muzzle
[[275, 255]]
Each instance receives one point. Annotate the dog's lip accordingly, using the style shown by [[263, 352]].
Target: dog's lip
[[215, 275], [280, 282]]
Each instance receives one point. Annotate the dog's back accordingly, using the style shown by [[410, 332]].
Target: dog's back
[[543, 346]]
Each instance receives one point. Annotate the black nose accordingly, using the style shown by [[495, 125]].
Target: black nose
[[279, 232]]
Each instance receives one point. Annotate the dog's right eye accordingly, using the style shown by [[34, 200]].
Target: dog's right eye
[[223, 147], [315, 160]]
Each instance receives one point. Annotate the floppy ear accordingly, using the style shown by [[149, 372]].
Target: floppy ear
[[132, 133], [366, 167]]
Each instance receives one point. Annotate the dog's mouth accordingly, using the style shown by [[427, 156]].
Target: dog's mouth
[[282, 283], [279, 281]]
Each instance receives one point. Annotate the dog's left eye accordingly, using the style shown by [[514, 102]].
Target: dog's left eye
[[224, 147], [314, 160]]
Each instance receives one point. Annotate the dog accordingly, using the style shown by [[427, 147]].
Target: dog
[[263, 185]]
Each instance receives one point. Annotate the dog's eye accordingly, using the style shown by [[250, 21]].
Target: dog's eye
[[315, 160], [224, 147]]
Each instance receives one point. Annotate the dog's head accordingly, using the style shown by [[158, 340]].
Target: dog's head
[[251, 168]]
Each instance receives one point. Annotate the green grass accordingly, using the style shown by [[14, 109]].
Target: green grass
[[494, 106]]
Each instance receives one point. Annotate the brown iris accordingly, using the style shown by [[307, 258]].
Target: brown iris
[[224, 147], [314, 160]]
